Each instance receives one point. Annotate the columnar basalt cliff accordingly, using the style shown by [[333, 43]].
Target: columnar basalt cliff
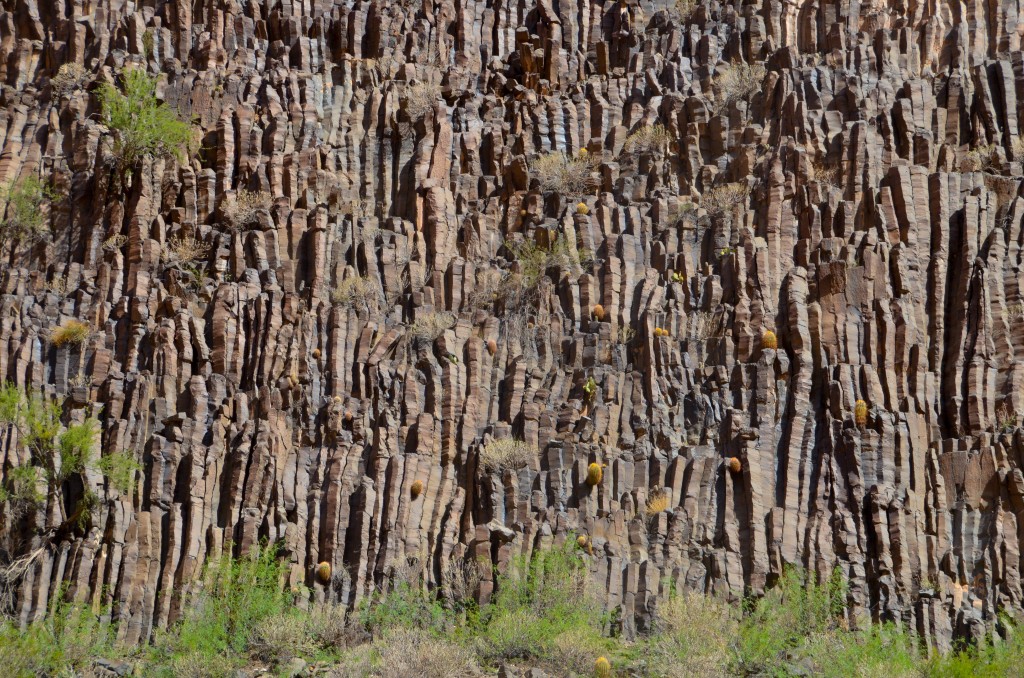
[[384, 278]]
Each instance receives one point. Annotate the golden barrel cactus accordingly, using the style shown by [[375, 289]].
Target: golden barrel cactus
[[581, 208], [492, 346], [323, 572], [860, 413], [602, 668], [594, 474], [598, 312], [581, 541], [416, 489], [735, 465], [769, 340]]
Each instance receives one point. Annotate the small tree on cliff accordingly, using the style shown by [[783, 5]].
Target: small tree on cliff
[[142, 124], [52, 455]]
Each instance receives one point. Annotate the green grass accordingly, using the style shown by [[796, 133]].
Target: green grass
[[541, 614]]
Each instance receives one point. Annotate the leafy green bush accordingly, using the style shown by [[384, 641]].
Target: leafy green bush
[[874, 651], [404, 606], [789, 614], [119, 470], [75, 448], [64, 643], [534, 260], [142, 124], [55, 454], [23, 209], [537, 602], [222, 617]]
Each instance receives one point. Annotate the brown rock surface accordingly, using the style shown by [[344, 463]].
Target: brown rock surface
[[260, 409]]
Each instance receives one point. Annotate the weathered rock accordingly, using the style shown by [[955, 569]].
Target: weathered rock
[[886, 264]]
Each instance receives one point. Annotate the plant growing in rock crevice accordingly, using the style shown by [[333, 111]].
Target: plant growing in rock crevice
[[431, 325], [647, 139], [506, 454], [119, 469], [247, 206], [70, 333], [56, 453], [860, 413], [558, 173], [356, 292], [142, 124], [737, 82], [24, 216]]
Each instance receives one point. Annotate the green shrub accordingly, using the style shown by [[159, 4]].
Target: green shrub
[[537, 602], [789, 614], [119, 470], [404, 606], [75, 447], [23, 210], [534, 260], [222, 616], [875, 651], [64, 643], [142, 124]]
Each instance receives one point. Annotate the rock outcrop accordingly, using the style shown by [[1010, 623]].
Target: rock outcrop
[[861, 201]]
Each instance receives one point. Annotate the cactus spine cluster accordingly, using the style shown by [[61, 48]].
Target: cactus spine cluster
[[323, 572], [860, 413]]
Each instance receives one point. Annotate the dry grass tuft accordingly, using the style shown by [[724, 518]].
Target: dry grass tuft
[[557, 173], [506, 453], [719, 200], [737, 82], [72, 332], [185, 249], [656, 503], [247, 207], [647, 140], [58, 286], [279, 638], [694, 638], [115, 242], [979, 160], [414, 652], [432, 325], [355, 292], [460, 579], [825, 173]]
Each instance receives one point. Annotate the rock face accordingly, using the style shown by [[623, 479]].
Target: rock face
[[860, 201]]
